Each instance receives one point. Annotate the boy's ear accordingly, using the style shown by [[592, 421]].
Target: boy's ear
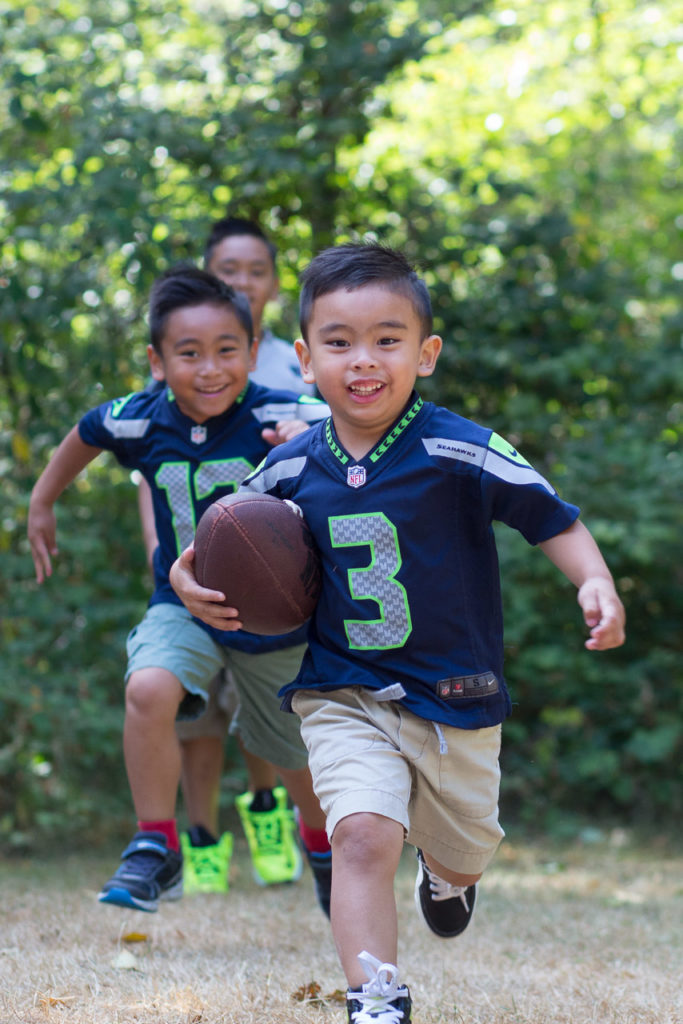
[[303, 354], [156, 363], [429, 353], [253, 353]]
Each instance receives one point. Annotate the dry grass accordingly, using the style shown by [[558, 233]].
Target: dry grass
[[593, 940]]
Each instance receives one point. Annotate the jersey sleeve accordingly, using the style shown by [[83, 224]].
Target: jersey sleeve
[[516, 494], [115, 427], [274, 406], [281, 470]]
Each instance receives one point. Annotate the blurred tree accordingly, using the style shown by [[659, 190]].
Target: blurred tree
[[524, 154]]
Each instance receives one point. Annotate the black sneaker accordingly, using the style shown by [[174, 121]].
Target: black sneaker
[[382, 1000], [321, 866], [446, 909], [148, 872]]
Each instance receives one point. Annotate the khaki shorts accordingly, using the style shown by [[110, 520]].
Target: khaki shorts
[[439, 782], [169, 638]]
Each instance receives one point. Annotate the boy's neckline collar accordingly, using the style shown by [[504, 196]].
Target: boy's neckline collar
[[172, 401], [402, 422]]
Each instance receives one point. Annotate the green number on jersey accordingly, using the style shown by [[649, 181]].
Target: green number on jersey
[[174, 478], [375, 581]]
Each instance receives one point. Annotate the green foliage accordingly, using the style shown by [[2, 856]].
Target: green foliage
[[523, 155]]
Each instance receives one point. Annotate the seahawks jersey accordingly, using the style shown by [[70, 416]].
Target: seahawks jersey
[[411, 600], [190, 465]]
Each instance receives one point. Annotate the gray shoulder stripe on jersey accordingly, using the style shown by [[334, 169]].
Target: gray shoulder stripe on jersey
[[284, 470], [276, 411], [125, 428], [451, 448], [513, 473], [463, 451], [311, 413]]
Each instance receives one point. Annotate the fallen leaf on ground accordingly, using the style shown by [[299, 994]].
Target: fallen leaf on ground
[[47, 1001], [125, 961], [310, 994]]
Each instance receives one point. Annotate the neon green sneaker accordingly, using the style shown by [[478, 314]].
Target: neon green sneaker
[[205, 868], [275, 854]]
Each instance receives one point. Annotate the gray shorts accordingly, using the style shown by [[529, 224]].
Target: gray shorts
[[169, 638], [439, 782], [220, 718]]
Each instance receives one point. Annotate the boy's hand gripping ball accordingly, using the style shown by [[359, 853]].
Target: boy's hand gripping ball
[[259, 551]]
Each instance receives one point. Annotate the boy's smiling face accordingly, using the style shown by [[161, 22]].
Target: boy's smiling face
[[205, 359], [364, 351]]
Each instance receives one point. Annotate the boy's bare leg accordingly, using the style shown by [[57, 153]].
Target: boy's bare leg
[[300, 788], [151, 748], [366, 849], [260, 774], [202, 770]]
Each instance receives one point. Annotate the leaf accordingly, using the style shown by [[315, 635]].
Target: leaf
[[125, 961], [134, 937], [47, 1001], [310, 994], [306, 992]]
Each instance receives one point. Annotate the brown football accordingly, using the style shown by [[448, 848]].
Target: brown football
[[260, 553]]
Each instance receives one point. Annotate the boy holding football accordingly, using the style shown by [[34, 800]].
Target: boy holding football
[[193, 441], [401, 692]]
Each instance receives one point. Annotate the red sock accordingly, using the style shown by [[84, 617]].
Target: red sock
[[167, 827], [315, 839]]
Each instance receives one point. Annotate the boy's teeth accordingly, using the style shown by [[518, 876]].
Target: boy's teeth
[[365, 390]]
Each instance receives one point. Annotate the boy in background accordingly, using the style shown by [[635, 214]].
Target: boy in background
[[401, 693], [193, 440], [238, 252]]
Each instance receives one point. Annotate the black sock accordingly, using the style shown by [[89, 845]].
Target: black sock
[[200, 836], [264, 800]]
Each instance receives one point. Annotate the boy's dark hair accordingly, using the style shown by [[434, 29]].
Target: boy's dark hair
[[185, 285], [228, 226], [356, 264]]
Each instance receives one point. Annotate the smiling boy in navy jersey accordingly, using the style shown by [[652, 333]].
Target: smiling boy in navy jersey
[[193, 441], [238, 252], [401, 692]]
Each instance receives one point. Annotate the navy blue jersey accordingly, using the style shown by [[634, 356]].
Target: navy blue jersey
[[189, 465], [411, 592]]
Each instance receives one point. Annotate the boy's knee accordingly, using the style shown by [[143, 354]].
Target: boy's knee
[[153, 692], [368, 840]]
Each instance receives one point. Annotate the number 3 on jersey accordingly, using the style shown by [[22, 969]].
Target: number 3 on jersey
[[182, 491], [376, 581]]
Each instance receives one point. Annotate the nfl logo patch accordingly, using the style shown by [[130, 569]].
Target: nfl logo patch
[[355, 476], [198, 435]]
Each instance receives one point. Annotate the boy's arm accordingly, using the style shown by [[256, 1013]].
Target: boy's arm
[[67, 462], [146, 510], [202, 603], [576, 554]]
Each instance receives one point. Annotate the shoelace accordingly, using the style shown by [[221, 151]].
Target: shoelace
[[268, 828], [205, 865], [378, 994], [442, 890]]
